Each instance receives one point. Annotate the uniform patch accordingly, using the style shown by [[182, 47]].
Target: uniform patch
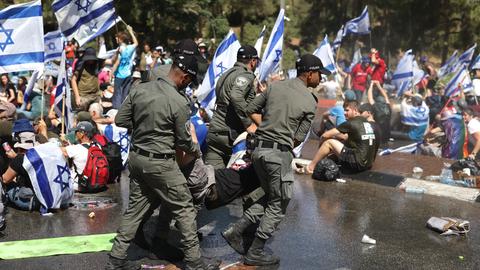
[[241, 81]]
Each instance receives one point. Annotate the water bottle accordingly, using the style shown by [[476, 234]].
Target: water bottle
[[416, 190], [446, 177]]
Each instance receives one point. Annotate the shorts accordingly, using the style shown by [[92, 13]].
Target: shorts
[[348, 160]]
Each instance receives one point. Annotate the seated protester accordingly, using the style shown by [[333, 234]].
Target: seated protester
[[415, 115], [368, 111], [107, 94], [473, 127], [359, 150], [45, 129], [33, 108]]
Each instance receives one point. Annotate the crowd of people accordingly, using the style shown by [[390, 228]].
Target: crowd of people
[[134, 109]]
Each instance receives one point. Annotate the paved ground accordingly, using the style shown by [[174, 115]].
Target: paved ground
[[323, 228]]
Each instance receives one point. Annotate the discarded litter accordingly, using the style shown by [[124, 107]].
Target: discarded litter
[[461, 258], [417, 172], [367, 240], [91, 215], [434, 178], [410, 189], [340, 180], [448, 226], [146, 266]]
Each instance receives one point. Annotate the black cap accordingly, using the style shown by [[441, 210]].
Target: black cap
[[309, 62], [247, 52], [186, 46], [187, 63]]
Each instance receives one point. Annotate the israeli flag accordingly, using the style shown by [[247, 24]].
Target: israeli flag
[[411, 148], [50, 175], [30, 85], [239, 149], [403, 75], [418, 73], [448, 66], [357, 58], [465, 58], [359, 25], [259, 42], [273, 53], [21, 37], [476, 63], [414, 116], [63, 89], [461, 80], [224, 58], [338, 40], [325, 54], [84, 20], [118, 135], [54, 43]]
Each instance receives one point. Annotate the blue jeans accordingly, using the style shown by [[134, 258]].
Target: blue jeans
[[121, 90]]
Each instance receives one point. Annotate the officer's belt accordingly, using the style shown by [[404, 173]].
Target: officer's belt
[[273, 145], [152, 155], [221, 133]]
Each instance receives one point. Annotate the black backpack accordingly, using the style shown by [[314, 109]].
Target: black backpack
[[113, 152]]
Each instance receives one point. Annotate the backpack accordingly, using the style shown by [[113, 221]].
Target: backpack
[[94, 177], [113, 152]]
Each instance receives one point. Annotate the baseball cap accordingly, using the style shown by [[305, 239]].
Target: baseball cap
[[187, 63], [186, 46], [247, 52], [365, 59], [309, 62], [25, 140], [22, 125], [85, 127], [350, 95]]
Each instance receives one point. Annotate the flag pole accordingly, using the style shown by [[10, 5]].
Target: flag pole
[[338, 53], [370, 35], [43, 96], [63, 111]]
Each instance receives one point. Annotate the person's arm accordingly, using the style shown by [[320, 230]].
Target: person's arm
[[42, 128], [241, 88], [476, 148], [9, 175], [370, 94], [254, 109], [132, 34], [12, 95], [183, 131], [303, 128], [330, 134], [76, 93], [124, 117]]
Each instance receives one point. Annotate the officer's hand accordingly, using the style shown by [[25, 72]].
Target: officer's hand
[[251, 129], [78, 102]]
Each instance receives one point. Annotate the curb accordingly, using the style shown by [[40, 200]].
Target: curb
[[444, 190]]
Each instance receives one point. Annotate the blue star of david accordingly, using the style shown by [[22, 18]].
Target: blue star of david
[[123, 146], [222, 69], [51, 46], [93, 26], [83, 7], [59, 179], [8, 37], [279, 54]]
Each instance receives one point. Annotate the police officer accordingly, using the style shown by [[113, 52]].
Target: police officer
[[289, 108], [157, 112], [234, 91]]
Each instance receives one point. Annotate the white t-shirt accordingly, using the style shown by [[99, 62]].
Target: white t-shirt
[[476, 87], [79, 154], [473, 127]]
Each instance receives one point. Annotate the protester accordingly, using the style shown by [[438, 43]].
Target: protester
[[7, 89], [377, 69], [84, 81], [235, 90], [357, 80], [473, 126], [21, 87], [382, 112], [415, 115], [145, 61]]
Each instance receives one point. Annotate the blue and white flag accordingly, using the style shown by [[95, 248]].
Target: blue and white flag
[[239, 149], [418, 73], [476, 63], [414, 116], [273, 51], [403, 75], [338, 40], [224, 58], [411, 149], [54, 43], [465, 58], [30, 85], [63, 88], [84, 20], [325, 54], [118, 135], [461, 80], [448, 66], [259, 42], [50, 175], [359, 25], [21, 37]]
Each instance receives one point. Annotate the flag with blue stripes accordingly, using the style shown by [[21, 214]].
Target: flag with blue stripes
[[239, 149], [259, 42], [476, 63], [461, 80], [50, 175], [31, 83], [63, 89], [359, 25], [338, 40], [411, 149], [325, 54], [414, 116], [403, 75], [21, 37], [120, 136], [357, 58], [465, 58], [84, 20], [448, 66], [54, 42], [224, 58], [273, 52], [418, 73]]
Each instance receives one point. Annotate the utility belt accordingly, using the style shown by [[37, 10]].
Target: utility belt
[[152, 155], [272, 145]]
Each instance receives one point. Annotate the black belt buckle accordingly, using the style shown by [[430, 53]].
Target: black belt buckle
[[270, 144]]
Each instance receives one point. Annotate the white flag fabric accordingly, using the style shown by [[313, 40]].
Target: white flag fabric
[[21, 37], [84, 20], [448, 66], [273, 52], [418, 73], [460, 80], [357, 58], [325, 54], [118, 135], [224, 58], [414, 116], [63, 88], [476, 63], [30, 85], [403, 75], [259, 42], [50, 175], [54, 43], [338, 40], [465, 58], [359, 25]]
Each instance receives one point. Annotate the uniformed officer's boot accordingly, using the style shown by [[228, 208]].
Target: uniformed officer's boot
[[162, 250], [234, 234], [200, 264], [257, 256], [120, 264]]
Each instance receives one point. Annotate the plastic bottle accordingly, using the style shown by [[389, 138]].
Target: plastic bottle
[[446, 177], [433, 178], [416, 190]]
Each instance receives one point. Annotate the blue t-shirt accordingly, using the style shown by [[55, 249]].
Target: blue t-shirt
[[201, 131], [124, 69]]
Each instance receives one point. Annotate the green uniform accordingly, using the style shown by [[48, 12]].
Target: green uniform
[[158, 115], [234, 91], [289, 109], [160, 71]]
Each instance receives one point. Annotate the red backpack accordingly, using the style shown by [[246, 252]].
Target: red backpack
[[94, 177]]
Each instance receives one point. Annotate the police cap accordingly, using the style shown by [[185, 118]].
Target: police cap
[[247, 52], [309, 62]]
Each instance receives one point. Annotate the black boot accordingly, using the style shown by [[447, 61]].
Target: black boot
[[234, 234], [257, 256], [120, 264], [202, 265], [162, 250]]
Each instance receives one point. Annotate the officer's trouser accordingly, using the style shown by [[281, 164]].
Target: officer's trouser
[[219, 150], [154, 182], [274, 170]]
